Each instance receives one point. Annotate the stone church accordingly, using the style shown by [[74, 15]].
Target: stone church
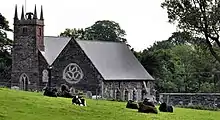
[[108, 69]]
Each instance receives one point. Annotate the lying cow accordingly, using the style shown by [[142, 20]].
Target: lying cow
[[165, 108], [50, 93], [131, 104], [147, 102], [147, 108], [78, 101]]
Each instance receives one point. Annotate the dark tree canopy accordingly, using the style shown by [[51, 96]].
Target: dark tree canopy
[[5, 45], [197, 17], [75, 33], [104, 30]]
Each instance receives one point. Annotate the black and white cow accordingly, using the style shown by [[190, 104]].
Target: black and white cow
[[78, 101]]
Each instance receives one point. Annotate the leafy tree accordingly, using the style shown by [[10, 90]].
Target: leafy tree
[[199, 18], [5, 44], [181, 65], [104, 30], [75, 33], [149, 61]]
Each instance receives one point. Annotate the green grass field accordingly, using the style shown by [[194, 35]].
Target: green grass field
[[20, 105]]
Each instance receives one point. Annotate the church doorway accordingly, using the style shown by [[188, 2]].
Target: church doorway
[[24, 80]]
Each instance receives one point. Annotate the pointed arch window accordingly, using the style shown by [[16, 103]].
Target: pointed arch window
[[134, 94], [118, 94], [143, 93], [24, 81], [126, 95]]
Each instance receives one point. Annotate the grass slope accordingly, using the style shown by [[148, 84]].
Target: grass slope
[[20, 105]]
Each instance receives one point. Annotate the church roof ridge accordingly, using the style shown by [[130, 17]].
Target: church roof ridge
[[87, 40], [57, 36], [100, 41]]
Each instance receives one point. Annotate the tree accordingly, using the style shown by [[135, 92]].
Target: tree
[[104, 30], [199, 18], [5, 44], [75, 33], [180, 64]]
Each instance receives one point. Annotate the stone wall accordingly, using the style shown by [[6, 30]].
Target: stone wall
[[43, 65], [204, 99], [72, 53], [127, 90]]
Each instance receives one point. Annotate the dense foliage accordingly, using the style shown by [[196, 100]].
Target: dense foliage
[[198, 17], [104, 30], [5, 46], [180, 65]]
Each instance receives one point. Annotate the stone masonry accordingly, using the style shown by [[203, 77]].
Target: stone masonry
[[127, 90], [25, 51], [204, 99], [73, 54]]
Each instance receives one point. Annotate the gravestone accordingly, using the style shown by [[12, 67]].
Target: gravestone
[[89, 94], [72, 90], [15, 87]]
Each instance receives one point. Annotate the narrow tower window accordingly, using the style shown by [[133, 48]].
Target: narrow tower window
[[40, 32], [24, 30]]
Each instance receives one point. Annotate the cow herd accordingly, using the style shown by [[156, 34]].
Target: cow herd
[[148, 107], [145, 107], [64, 92]]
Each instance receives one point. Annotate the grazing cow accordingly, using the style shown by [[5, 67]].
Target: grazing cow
[[146, 108], [131, 104], [165, 108], [78, 101]]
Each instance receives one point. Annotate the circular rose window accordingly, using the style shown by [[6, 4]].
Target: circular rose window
[[72, 73]]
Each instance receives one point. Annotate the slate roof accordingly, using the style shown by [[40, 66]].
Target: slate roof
[[53, 47], [113, 60]]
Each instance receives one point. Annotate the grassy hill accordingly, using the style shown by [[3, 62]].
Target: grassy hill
[[20, 105]]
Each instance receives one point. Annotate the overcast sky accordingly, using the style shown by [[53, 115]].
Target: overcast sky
[[143, 20]]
